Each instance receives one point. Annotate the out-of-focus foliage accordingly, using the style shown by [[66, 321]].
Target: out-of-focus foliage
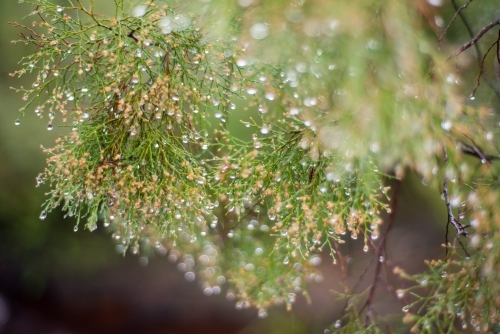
[[248, 144]]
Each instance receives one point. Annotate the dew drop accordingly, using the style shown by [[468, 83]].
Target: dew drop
[[251, 90], [18, 121], [43, 215], [50, 126], [269, 96], [75, 228], [259, 30], [446, 125]]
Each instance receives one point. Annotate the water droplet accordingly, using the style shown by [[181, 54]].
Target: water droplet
[[50, 126], [446, 125], [242, 62], [18, 121], [251, 90], [259, 30], [262, 314], [400, 294], [406, 309], [338, 324], [189, 276], [269, 96], [315, 260], [264, 129], [43, 215], [59, 9], [75, 228], [365, 248], [286, 260]]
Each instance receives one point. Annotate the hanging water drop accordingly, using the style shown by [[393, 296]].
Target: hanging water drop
[[251, 90], [43, 215], [18, 121]]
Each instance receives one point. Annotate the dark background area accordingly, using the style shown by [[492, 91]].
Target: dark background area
[[53, 280]]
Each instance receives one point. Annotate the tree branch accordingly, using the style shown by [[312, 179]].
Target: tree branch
[[461, 231], [475, 39]]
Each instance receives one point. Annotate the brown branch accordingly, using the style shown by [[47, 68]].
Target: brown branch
[[15, 24], [481, 66], [476, 45], [461, 229], [477, 152], [457, 13], [342, 267], [380, 251], [475, 39]]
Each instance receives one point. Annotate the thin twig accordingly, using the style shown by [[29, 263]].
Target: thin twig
[[476, 45], [476, 151], [380, 251], [461, 229], [457, 13], [481, 66], [342, 266], [475, 39]]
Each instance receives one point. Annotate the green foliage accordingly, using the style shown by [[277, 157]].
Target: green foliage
[[246, 158]]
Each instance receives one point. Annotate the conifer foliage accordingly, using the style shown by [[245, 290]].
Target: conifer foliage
[[246, 138]]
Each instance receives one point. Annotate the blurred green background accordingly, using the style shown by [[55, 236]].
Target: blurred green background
[[53, 280]]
